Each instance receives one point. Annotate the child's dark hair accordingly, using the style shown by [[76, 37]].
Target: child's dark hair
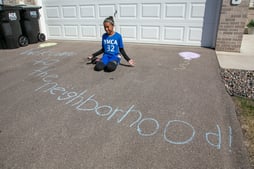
[[110, 19]]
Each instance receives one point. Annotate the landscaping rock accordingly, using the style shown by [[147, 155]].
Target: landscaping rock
[[239, 82]]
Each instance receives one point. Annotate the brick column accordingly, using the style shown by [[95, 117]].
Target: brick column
[[231, 26]]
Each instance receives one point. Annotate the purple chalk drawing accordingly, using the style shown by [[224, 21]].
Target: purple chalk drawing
[[189, 55]]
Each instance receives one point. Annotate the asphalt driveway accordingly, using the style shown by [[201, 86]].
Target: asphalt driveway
[[170, 111]]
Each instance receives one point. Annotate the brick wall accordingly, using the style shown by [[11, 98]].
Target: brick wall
[[15, 2], [231, 26], [250, 15]]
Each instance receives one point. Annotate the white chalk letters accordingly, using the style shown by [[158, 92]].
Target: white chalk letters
[[145, 126]]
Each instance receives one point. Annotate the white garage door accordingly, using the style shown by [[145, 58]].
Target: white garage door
[[180, 22]]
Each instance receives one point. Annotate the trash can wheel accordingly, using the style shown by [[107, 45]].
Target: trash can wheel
[[23, 41], [41, 37]]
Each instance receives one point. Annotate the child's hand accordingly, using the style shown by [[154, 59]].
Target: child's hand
[[131, 62], [93, 59]]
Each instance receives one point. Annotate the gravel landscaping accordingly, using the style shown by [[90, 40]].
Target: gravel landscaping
[[239, 82]]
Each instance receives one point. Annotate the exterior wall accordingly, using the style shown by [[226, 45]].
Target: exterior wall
[[31, 2], [231, 26], [9, 2], [233, 20], [250, 15], [15, 2]]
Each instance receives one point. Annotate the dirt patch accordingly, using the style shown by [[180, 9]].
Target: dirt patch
[[245, 113]]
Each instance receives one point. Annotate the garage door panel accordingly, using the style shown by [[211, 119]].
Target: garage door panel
[[150, 33], [174, 34], [106, 10], [54, 31], [87, 11], [149, 21], [194, 34], [69, 12], [71, 31], [151, 10], [52, 12], [128, 11], [89, 31], [197, 11], [175, 11], [130, 32], [102, 31]]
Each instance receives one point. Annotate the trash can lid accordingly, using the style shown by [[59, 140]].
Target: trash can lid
[[8, 7], [29, 6]]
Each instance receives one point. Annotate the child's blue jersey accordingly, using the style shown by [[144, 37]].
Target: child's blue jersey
[[111, 44]]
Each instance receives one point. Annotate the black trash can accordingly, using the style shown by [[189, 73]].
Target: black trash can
[[10, 29], [1, 41], [30, 23]]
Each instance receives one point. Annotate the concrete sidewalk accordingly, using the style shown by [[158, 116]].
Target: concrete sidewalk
[[243, 60]]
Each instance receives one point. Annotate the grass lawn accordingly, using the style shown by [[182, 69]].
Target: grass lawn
[[245, 113]]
